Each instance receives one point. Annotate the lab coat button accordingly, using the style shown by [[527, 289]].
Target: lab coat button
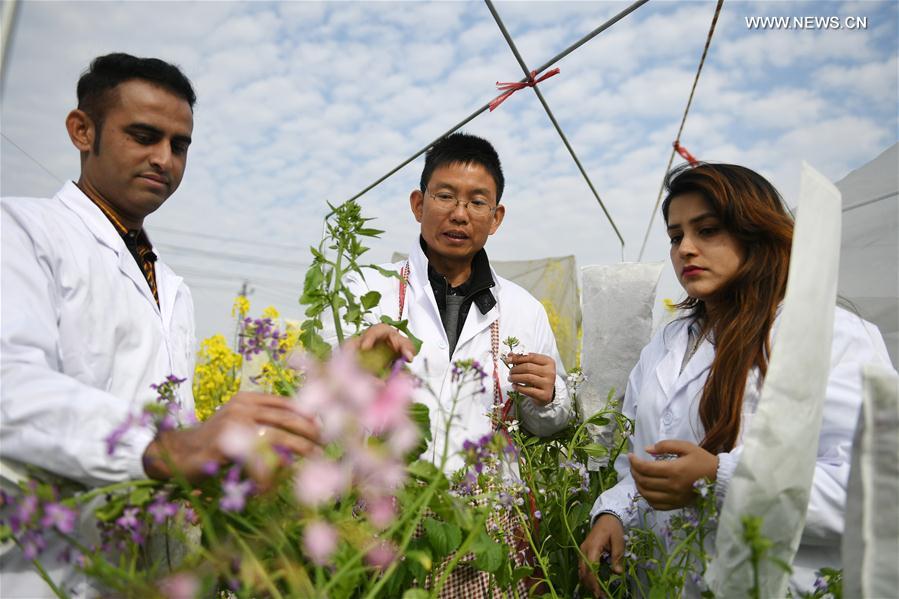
[[667, 417], [441, 345]]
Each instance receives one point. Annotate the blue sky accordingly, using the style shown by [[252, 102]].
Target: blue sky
[[302, 103]]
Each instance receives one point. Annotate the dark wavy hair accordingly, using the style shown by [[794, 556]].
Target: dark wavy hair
[[464, 149], [96, 87], [753, 212]]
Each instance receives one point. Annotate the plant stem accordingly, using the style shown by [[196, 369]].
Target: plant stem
[[537, 553], [260, 570], [75, 500]]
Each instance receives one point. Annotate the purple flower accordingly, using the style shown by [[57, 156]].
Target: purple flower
[[259, 335], [59, 516], [161, 509], [128, 520], [538, 514], [33, 543], [24, 512], [820, 584], [114, 439], [190, 516], [235, 491]]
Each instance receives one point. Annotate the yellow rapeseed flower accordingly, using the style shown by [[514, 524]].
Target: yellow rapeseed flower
[[241, 307], [216, 376]]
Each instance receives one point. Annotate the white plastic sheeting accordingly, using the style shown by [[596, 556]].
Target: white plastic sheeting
[[869, 259], [616, 302], [871, 537], [774, 475]]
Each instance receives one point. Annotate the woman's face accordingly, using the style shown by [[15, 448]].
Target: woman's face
[[705, 256]]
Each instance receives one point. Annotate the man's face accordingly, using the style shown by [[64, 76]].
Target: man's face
[[452, 230], [142, 152]]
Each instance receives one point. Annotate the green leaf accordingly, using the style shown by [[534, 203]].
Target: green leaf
[[314, 343], [314, 278], [598, 419], [369, 232], [370, 299], [385, 272], [421, 416], [421, 557], [139, 496], [436, 537], [453, 536], [521, 572], [488, 554], [595, 450], [416, 594], [422, 470], [403, 325], [658, 592]]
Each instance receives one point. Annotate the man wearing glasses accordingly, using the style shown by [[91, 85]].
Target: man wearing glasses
[[461, 310]]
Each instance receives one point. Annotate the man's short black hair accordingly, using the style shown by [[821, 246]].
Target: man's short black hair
[[465, 149], [97, 83]]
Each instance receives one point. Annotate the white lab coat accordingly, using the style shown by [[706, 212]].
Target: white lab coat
[[82, 341], [520, 315], [665, 402]]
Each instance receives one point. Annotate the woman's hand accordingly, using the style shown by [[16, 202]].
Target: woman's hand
[[668, 484], [606, 537]]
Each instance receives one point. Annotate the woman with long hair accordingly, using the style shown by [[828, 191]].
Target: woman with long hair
[[694, 391]]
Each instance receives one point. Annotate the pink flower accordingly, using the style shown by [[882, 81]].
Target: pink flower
[[381, 511], [319, 542], [179, 586], [352, 383], [381, 555], [403, 438], [320, 481], [377, 473], [313, 397], [389, 406]]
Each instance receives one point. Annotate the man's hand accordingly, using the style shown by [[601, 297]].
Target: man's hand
[[386, 334], [606, 538], [668, 484], [191, 450], [534, 375]]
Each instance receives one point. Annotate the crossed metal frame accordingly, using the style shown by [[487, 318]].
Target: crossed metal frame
[[546, 108]]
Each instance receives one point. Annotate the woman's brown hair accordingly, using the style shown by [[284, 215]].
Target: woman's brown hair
[[753, 212]]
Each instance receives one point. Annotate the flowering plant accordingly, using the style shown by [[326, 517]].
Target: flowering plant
[[363, 517]]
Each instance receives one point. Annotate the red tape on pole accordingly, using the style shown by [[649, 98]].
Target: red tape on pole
[[510, 87], [685, 154]]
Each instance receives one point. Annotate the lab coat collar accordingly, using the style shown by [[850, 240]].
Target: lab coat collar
[[105, 232], [418, 278], [668, 372]]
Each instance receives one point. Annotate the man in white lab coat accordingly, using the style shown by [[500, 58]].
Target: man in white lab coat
[[458, 306], [91, 318]]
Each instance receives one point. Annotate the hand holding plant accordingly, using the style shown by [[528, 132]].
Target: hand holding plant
[[534, 375], [247, 414], [606, 539], [668, 484]]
